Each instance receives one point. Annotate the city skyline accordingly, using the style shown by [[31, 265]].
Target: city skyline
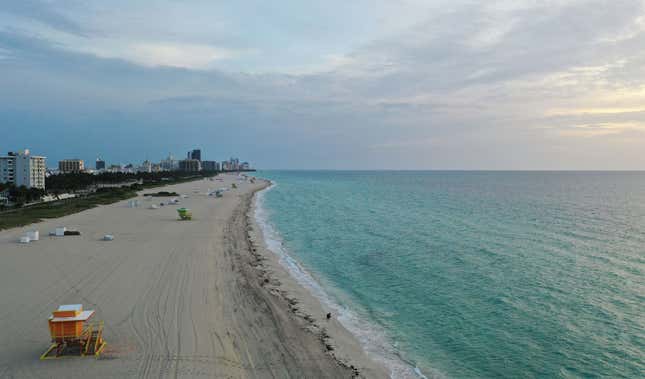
[[169, 162], [368, 85], [53, 162]]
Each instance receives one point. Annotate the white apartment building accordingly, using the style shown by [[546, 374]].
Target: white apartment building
[[23, 169], [146, 166], [169, 164]]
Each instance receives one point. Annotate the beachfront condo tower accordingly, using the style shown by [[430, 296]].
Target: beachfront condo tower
[[23, 169]]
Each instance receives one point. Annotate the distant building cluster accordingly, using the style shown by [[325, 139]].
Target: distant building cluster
[[234, 164], [194, 163], [23, 169]]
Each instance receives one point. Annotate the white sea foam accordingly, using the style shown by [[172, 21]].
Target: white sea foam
[[372, 338]]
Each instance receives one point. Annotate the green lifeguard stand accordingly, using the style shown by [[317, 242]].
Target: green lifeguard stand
[[185, 214]]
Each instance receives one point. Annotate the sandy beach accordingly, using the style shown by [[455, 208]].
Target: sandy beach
[[200, 298]]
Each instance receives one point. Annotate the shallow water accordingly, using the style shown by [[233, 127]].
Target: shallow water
[[476, 274]]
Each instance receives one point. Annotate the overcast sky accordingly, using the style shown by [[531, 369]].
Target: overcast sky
[[406, 84]]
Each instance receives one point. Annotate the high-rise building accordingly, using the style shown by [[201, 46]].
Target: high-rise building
[[210, 166], [190, 165], [115, 168], [234, 164], [8, 168], [128, 168], [195, 154], [71, 166], [169, 164], [146, 166], [23, 169], [100, 164]]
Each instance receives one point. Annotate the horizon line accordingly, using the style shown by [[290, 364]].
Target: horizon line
[[450, 170]]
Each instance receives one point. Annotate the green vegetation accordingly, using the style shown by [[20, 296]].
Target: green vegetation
[[21, 216], [21, 195], [161, 194], [83, 181], [29, 215]]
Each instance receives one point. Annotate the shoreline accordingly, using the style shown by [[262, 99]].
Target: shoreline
[[340, 343]]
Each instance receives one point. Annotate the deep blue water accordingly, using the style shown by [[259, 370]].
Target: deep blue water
[[479, 274]]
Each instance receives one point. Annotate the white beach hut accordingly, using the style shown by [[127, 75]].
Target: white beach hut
[[34, 235]]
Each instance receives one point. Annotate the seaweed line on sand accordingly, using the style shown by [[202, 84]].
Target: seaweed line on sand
[[273, 286]]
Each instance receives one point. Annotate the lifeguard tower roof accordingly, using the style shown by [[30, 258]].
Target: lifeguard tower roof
[[71, 307], [82, 316], [70, 312]]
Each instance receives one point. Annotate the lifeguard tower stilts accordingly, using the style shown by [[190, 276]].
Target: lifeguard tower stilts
[[72, 334]]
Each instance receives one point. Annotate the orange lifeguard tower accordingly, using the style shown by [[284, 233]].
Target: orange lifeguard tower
[[72, 334]]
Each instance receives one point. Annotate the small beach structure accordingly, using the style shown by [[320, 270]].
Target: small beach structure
[[34, 235], [185, 214], [62, 231], [72, 334]]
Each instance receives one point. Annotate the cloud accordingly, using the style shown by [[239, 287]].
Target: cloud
[[594, 111], [410, 144], [43, 12], [197, 57], [602, 129]]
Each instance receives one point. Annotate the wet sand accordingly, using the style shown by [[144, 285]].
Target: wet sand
[[188, 299]]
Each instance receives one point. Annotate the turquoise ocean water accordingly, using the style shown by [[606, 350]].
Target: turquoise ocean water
[[473, 274]]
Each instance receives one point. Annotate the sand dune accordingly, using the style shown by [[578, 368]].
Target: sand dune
[[179, 298]]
